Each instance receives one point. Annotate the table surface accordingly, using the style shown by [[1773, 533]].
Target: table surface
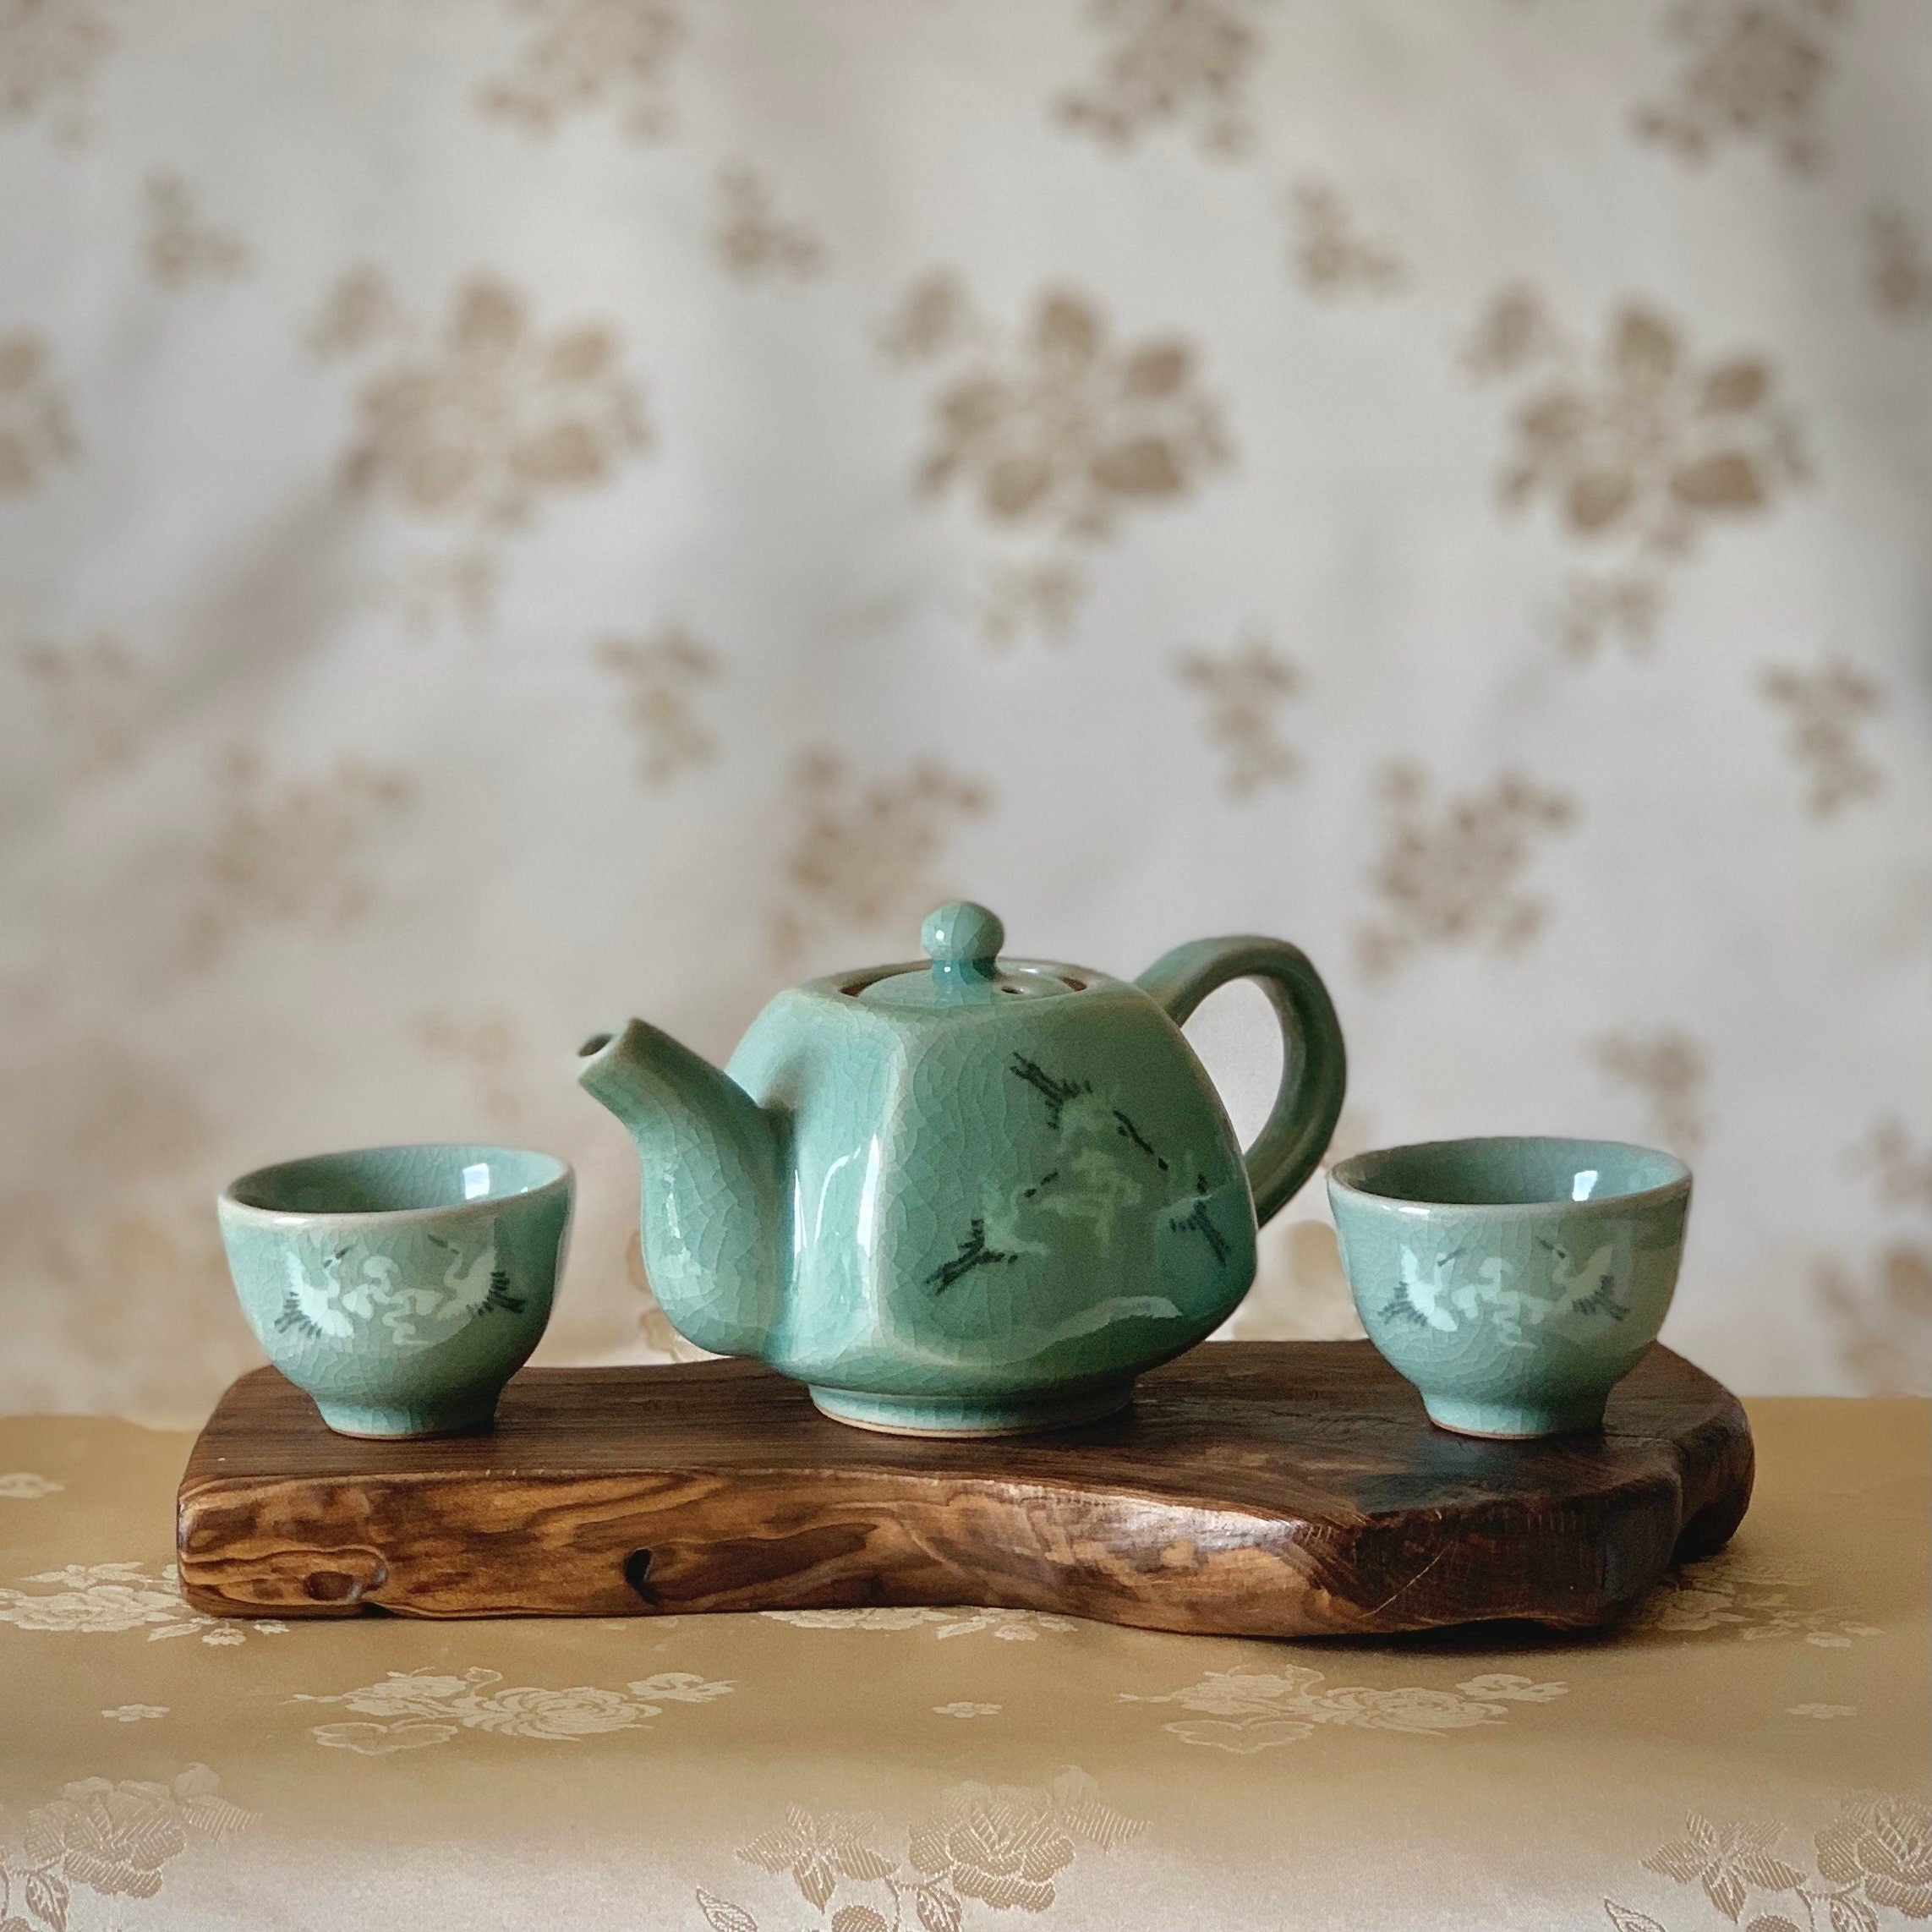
[[1751, 1749]]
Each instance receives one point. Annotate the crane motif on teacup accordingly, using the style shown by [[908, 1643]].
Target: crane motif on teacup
[[416, 1316], [1433, 1294]]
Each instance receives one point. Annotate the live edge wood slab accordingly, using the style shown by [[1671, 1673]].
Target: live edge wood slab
[[1257, 1489]]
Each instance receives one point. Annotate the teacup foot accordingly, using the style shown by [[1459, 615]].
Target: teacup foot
[[1515, 1422], [381, 1423], [963, 1415]]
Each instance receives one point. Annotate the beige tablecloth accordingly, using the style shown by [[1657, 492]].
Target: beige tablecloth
[[1751, 1750]]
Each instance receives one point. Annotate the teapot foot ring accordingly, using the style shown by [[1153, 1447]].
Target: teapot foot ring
[[951, 1415]]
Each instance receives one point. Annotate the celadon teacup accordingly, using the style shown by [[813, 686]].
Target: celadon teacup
[[1515, 1282], [400, 1286]]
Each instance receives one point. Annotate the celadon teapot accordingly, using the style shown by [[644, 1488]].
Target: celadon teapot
[[974, 1195]]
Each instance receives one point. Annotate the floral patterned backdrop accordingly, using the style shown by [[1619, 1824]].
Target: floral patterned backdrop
[[518, 512]]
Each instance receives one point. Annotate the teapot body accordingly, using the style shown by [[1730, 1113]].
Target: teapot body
[[989, 1234], [977, 1196]]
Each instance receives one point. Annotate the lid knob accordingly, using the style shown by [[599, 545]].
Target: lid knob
[[960, 937]]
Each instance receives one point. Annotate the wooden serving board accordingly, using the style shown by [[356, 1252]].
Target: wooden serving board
[[1254, 1489]]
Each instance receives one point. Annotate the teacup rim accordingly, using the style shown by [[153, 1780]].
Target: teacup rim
[[232, 1206], [1344, 1177]]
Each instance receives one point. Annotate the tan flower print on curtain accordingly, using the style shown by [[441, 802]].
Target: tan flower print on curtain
[[137, 1287], [1302, 1292], [1327, 255], [1182, 61], [37, 431], [1901, 270], [660, 676], [93, 695], [146, 1301], [1900, 1173], [127, 1114], [1056, 432], [292, 851], [1043, 597], [1243, 689], [1457, 879], [752, 240], [360, 310], [1879, 1311], [50, 51], [491, 1048], [1653, 447], [1825, 709], [182, 247], [1883, 1323], [1636, 449], [1669, 1071], [581, 55], [865, 857], [1753, 70], [1067, 431], [477, 423]]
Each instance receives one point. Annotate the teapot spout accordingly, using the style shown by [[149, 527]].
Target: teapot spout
[[712, 1205]]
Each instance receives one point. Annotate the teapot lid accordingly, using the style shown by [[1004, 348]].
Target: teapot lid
[[963, 941]]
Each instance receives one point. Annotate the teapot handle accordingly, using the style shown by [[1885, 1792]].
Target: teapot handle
[[1314, 1071]]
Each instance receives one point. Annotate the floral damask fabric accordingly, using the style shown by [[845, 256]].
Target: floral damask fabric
[[1751, 1749], [517, 512]]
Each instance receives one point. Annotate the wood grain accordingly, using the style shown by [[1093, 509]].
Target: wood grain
[[1261, 1489]]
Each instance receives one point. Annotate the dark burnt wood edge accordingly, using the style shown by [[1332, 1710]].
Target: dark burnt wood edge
[[1714, 1510], [1341, 1547]]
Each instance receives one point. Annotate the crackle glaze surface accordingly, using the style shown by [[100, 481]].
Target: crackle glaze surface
[[400, 1286], [979, 1197], [1514, 1282]]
